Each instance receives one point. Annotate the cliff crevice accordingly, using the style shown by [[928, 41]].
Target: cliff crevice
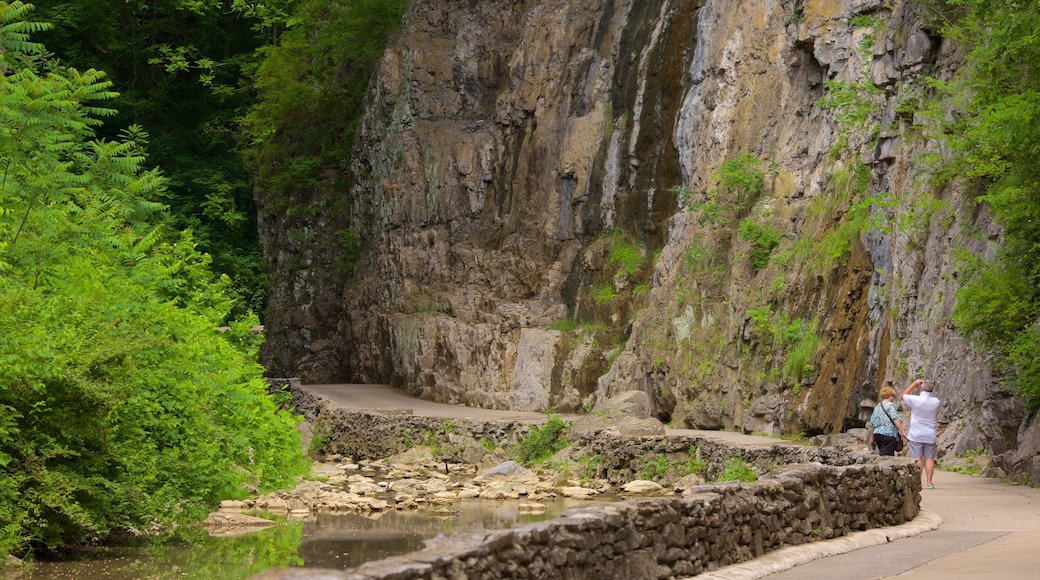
[[719, 205]]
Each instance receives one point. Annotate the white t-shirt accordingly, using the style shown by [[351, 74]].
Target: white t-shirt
[[924, 412]]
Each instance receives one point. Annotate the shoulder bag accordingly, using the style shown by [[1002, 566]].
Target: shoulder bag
[[899, 436]]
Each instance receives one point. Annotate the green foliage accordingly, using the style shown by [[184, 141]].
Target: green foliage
[[542, 442], [693, 465], [655, 468], [740, 182], [737, 469], [349, 252], [180, 67], [835, 246], [627, 254], [567, 324], [704, 263], [604, 293], [994, 140], [486, 443], [763, 240], [970, 465], [684, 195], [805, 343], [589, 465], [742, 176], [127, 410], [310, 91], [856, 103], [873, 22], [320, 438], [795, 340]]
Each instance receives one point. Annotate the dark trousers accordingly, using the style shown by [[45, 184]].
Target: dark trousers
[[886, 445]]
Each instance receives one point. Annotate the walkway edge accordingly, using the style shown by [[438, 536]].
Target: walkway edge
[[787, 558]]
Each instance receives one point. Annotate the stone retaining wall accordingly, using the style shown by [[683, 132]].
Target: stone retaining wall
[[377, 434], [814, 494], [673, 537]]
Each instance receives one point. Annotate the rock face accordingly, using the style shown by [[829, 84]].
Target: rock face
[[549, 203]]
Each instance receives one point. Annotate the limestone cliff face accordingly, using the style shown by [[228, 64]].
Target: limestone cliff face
[[534, 191]]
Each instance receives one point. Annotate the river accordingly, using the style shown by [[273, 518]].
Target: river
[[337, 541]]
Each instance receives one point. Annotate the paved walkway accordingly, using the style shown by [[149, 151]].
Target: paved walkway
[[969, 527]]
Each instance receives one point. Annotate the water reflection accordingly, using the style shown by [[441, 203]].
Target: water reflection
[[227, 558], [322, 541]]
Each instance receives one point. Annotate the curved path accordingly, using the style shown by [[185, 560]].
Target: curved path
[[375, 397], [969, 527]]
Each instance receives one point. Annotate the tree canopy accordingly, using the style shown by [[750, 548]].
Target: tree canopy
[[126, 411], [181, 68], [995, 138]]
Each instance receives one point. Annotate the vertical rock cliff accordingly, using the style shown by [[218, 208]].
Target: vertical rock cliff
[[721, 204]]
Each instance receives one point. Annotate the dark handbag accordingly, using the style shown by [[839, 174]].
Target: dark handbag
[[899, 437]]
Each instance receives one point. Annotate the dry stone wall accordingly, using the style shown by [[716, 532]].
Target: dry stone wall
[[716, 526], [809, 494]]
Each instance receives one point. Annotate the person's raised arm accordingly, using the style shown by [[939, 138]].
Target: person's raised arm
[[912, 386]]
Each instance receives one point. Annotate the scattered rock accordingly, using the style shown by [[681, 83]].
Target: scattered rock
[[577, 492], [508, 471], [627, 414], [365, 488], [642, 486]]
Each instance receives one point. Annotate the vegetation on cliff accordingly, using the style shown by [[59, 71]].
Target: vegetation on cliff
[[310, 91], [125, 410], [994, 135]]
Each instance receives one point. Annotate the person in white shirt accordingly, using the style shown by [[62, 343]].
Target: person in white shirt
[[924, 410]]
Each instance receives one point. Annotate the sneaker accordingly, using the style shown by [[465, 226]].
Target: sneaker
[[930, 486]]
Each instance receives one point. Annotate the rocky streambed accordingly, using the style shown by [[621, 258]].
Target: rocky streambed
[[417, 480]]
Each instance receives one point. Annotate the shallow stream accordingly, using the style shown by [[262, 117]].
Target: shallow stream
[[337, 541]]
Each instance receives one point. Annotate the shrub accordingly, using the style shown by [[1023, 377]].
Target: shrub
[[541, 443], [605, 293], [655, 468], [694, 465], [763, 240], [627, 254], [737, 469]]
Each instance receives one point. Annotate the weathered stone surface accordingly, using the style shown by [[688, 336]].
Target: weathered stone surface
[[641, 486], [577, 492], [505, 146], [664, 537], [509, 471]]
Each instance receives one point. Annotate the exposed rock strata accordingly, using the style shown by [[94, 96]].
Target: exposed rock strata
[[509, 146]]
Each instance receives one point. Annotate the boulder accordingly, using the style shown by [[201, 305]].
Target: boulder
[[577, 492], [641, 486], [509, 471]]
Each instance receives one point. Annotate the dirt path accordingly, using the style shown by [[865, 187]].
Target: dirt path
[[374, 397]]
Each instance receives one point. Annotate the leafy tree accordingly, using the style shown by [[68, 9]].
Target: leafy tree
[[995, 137], [180, 67], [125, 410], [310, 92]]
